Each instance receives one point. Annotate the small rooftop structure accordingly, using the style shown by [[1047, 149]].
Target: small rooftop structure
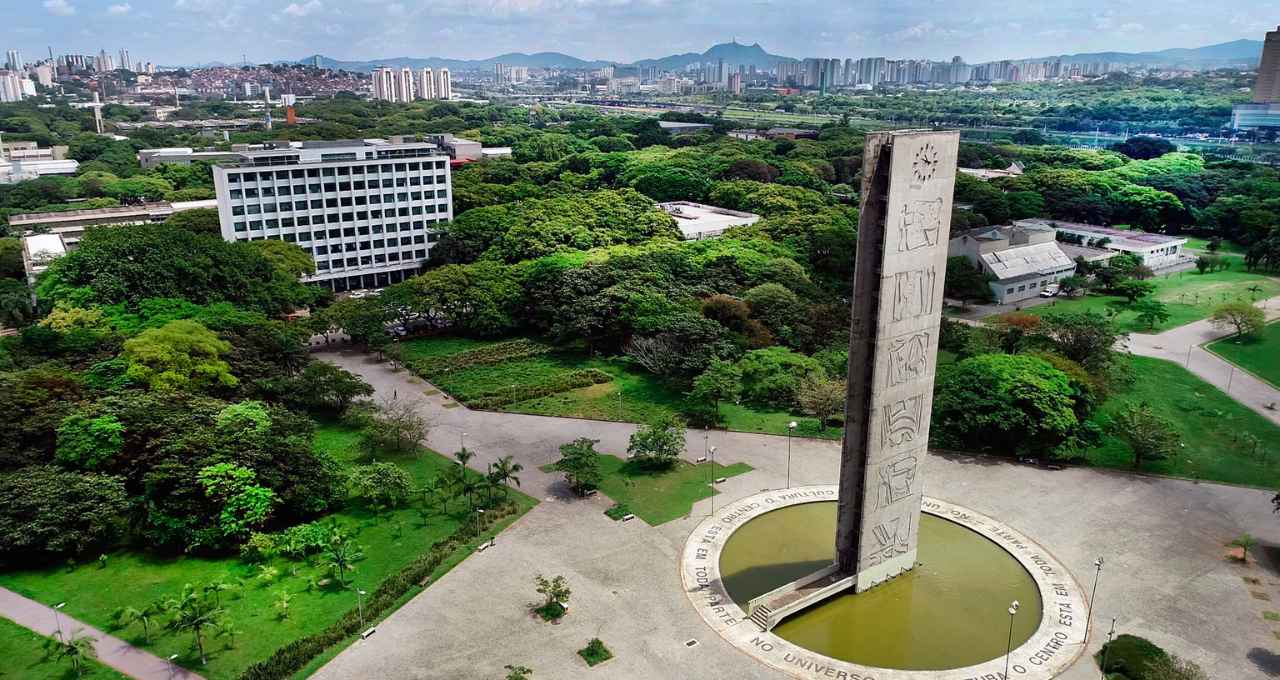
[[984, 174], [698, 221], [150, 158], [791, 133], [496, 152], [38, 250], [678, 128]]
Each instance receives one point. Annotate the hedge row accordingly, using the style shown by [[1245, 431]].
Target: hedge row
[[291, 658], [563, 382], [489, 354]]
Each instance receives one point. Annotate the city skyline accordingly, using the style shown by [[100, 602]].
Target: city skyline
[[612, 30]]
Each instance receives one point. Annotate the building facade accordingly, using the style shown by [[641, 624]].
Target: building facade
[[1156, 251], [366, 210]]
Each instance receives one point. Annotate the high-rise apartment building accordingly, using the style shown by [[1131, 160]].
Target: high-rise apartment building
[[13, 61], [366, 211], [124, 60], [444, 86], [1267, 90], [405, 87], [426, 84], [10, 87], [384, 84]]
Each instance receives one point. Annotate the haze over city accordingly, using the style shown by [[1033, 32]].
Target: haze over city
[[617, 30]]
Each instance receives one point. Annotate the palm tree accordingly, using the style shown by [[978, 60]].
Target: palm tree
[[77, 650], [463, 457], [469, 485], [505, 471], [341, 555], [215, 588], [127, 616], [228, 630], [195, 612]]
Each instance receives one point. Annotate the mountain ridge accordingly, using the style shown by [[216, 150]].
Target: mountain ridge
[[1243, 52]]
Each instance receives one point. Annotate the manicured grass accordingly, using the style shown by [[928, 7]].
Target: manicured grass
[[1189, 296], [1209, 421], [1227, 247], [1260, 356], [634, 395], [389, 541], [22, 651], [439, 346], [659, 497]]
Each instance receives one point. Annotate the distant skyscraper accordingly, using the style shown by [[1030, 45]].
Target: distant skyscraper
[[426, 84], [315, 61], [384, 84], [1267, 91], [404, 85], [124, 60], [444, 86], [13, 61]]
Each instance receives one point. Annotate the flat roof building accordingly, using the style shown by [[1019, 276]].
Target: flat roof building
[[366, 210], [1157, 251], [698, 221], [182, 155], [1022, 260], [678, 128]]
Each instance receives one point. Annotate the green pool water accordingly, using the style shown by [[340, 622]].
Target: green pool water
[[949, 612]]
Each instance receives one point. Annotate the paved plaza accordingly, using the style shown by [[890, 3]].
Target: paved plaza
[[1166, 576]]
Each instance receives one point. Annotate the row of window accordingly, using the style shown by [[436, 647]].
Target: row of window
[[343, 171], [330, 218], [344, 202], [330, 187], [377, 244], [365, 230], [366, 260]]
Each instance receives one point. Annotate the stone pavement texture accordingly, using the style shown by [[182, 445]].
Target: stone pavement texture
[[1184, 345], [112, 651], [1165, 577]]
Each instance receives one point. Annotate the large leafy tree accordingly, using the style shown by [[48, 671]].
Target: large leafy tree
[[157, 260], [658, 443], [580, 463], [181, 355], [1005, 403], [1148, 434], [50, 511]]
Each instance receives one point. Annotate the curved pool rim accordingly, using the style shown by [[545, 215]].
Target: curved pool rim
[[1055, 645]]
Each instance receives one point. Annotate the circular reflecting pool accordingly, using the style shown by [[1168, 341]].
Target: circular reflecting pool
[[949, 612]]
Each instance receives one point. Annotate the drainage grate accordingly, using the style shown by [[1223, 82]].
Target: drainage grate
[[691, 643]]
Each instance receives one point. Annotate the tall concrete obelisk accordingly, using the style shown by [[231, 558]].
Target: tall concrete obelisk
[[907, 184]]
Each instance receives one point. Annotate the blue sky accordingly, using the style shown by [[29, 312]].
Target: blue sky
[[192, 31]]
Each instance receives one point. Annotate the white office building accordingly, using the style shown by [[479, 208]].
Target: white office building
[[366, 210], [1157, 251]]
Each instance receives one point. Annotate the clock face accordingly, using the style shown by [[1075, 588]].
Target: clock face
[[925, 164]]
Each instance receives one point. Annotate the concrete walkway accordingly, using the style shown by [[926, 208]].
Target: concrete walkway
[[1166, 578], [112, 651], [1184, 345]]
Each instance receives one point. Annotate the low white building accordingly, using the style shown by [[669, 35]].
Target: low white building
[[698, 221], [1022, 259], [1157, 251], [984, 174]]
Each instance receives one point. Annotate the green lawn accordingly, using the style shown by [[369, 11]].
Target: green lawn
[[1227, 248], [634, 395], [24, 657], [1209, 421], [389, 542], [659, 497], [1260, 356], [1189, 296]]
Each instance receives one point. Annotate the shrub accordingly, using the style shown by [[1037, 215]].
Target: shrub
[[1129, 655], [772, 376], [595, 652]]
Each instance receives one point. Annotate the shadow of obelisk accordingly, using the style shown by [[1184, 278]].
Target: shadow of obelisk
[[907, 183]]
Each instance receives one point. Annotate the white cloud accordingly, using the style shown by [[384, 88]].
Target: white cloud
[[296, 10], [117, 10], [61, 8]]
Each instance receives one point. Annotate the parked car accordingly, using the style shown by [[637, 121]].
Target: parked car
[[1050, 290]]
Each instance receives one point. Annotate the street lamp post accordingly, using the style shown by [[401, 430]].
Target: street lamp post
[[1008, 651], [1111, 633], [791, 427], [1088, 620], [173, 662], [1231, 378], [56, 621], [712, 468], [463, 440], [360, 604]]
